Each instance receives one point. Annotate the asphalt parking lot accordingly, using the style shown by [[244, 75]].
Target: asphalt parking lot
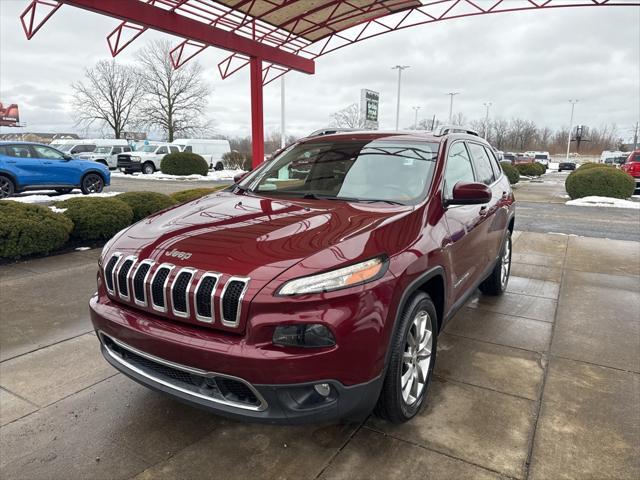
[[543, 382]]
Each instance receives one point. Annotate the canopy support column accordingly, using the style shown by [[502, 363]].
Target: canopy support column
[[257, 111]]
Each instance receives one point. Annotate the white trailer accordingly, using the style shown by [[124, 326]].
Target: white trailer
[[211, 150]]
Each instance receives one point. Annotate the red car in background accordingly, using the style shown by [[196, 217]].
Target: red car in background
[[632, 167], [315, 288]]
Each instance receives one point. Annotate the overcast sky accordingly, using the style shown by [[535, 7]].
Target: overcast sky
[[528, 64]]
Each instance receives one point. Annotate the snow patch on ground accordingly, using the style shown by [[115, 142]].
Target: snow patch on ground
[[42, 197], [57, 210], [595, 201], [82, 249], [211, 176]]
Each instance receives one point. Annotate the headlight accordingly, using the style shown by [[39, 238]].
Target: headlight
[[341, 278], [135, 159]]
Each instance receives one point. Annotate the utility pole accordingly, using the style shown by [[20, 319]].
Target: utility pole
[[486, 119], [573, 106], [635, 136], [451, 94], [283, 134], [415, 121], [400, 68]]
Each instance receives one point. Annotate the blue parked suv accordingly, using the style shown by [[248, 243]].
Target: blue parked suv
[[31, 166]]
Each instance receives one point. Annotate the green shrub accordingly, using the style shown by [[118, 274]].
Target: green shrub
[[530, 169], [511, 172], [96, 218], [184, 163], [144, 204], [587, 166], [31, 229], [602, 182], [184, 196]]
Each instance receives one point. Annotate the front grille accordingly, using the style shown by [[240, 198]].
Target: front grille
[[157, 286], [204, 296], [231, 300], [139, 292], [211, 386], [180, 292], [108, 271], [123, 285]]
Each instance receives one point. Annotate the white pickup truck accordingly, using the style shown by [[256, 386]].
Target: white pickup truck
[[106, 155], [147, 159]]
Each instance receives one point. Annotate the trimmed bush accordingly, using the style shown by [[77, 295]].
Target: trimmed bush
[[602, 182], [511, 172], [31, 229], [184, 163], [144, 204], [587, 166], [531, 169], [185, 196], [96, 218]]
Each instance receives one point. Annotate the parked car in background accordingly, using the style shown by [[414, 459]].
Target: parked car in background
[[509, 157], [211, 150], [632, 167], [566, 165], [542, 157], [107, 154], [84, 146], [522, 158], [146, 159], [32, 166], [288, 299]]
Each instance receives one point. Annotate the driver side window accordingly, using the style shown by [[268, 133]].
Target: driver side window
[[458, 168], [46, 152]]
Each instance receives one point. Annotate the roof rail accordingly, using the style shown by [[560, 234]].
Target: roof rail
[[446, 129]]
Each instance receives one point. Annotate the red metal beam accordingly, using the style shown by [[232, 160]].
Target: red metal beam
[[175, 24], [28, 16], [257, 117]]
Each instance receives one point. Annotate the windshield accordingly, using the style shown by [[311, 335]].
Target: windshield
[[102, 150], [541, 157], [365, 170], [148, 149]]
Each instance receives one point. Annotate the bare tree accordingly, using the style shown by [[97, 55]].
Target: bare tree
[[500, 132], [348, 117], [109, 95], [175, 101]]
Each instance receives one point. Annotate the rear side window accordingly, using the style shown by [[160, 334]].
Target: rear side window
[[174, 149], [3, 150], [188, 148], [458, 168], [162, 151], [484, 171], [18, 151]]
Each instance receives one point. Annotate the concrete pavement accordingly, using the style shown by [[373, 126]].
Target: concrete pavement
[[542, 383]]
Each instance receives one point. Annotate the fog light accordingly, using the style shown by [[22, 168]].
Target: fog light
[[305, 335], [323, 389]]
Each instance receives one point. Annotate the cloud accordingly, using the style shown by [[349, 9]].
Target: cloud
[[528, 64]]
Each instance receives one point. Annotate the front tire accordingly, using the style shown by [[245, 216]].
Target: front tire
[[496, 283], [92, 183], [413, 352], [148, 168], [7, 188]]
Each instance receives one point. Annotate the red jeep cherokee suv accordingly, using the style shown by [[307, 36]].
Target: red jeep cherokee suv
[[314, 288]]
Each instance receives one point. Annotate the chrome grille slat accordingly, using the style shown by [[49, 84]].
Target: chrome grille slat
[[231, 300], [109, 270], [159, 287], [180, 292], [204, 297], [122, 276], [139, 283]]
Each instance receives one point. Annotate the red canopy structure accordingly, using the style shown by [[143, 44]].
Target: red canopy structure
[[275, 36]]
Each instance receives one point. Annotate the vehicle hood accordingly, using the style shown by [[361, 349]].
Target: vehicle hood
[[257, 237]]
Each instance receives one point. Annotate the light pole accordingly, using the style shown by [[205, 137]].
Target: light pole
[[451, 94], [283, 134], [400, 68], [415, 121], [573, 106], [486, 118]]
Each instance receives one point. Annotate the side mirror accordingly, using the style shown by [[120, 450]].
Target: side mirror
[[469, 193], [67, 157], [238, 177]]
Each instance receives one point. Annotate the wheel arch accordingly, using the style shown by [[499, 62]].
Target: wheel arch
[[92, 170], [12, 177]]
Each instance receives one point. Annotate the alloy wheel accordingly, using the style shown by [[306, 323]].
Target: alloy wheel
[[6, 188], [92, 183], [416, 359]]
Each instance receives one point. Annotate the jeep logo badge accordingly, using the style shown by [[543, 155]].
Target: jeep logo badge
[[178, 254]]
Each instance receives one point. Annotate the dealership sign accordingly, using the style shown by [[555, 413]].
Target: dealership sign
[[9, 116], [369, 102]]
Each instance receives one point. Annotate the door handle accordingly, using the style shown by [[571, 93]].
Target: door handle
[[12, 161], [483, 211], [505, 195]]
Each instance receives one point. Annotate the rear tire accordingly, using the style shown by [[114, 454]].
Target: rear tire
[[496, 283], [411, 362], [7, 187], [148, 168], [92, 183]]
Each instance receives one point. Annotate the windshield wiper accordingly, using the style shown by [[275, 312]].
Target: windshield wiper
[[243, 189], [374, 200]]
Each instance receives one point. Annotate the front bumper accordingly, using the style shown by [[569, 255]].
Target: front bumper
[[234, 397], [129, 166]]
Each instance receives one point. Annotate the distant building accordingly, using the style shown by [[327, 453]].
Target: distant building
[[36, 137]]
